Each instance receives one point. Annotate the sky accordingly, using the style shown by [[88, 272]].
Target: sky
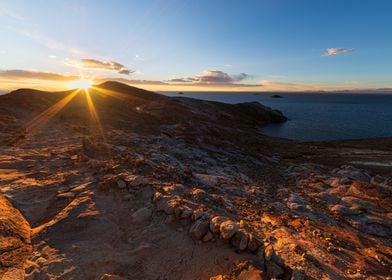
[[200, 45]]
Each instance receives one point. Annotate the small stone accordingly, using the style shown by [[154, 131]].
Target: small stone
[[177, 189], [199, 229], [216, 222], [142, 215], [168, 205], [209, 236], [343, 210], [255, 242], [199, 194], [186, 212], [157, 196], [240, 240], [135, 181], [121, 184], [66, 195], [199, 213], [228, 229], [127, 196], [269, 252], [183, 212], [273, 270], [63, 189]]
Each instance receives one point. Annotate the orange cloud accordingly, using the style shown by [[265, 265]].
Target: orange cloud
[[98, 64]]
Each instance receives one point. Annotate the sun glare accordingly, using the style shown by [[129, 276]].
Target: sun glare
[[80, 84]]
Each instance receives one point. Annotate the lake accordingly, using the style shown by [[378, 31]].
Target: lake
[[321, 116]]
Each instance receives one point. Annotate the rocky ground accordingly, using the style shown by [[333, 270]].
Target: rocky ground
[[142, 186]]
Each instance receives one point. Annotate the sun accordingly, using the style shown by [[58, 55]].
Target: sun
[[81, 84]]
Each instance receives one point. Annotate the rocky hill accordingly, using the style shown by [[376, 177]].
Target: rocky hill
[[123, 183]]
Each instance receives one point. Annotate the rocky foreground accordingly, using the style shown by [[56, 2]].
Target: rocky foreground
[[123, 183]]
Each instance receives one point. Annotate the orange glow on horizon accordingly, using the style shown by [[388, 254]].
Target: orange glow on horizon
[[80, 84]]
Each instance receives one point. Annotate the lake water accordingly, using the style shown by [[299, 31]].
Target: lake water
[[318, 117]]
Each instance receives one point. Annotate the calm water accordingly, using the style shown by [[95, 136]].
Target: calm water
[[315, 117]]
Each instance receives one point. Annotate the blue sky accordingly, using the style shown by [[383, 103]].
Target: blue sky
[[198, 45]]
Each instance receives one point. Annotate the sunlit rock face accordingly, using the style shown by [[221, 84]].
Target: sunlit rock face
[[15, 243]]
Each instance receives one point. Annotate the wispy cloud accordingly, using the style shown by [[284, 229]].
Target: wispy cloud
[[19, 74], [336, 51], [213, 77], [22, 75], [99, 64], [130, 81], [47, 41], [10, 13]]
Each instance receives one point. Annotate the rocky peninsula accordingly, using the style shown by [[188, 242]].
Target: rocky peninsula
[[116, 182]]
